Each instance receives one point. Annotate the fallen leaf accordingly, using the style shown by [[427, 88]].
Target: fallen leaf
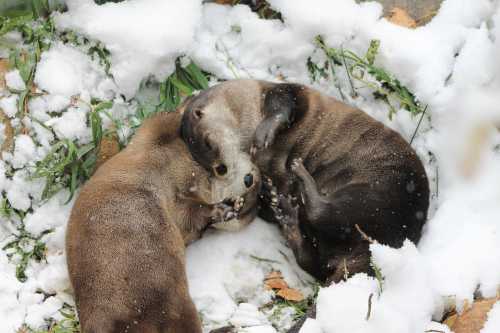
[[276, 284], [4, 68], [290, 294], [450, 320], [9, 130], [400, 17], [274, 280], [274, 275], [472, 319], [109, 148]]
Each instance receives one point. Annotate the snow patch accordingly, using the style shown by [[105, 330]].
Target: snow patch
[[14, 81], [143, 36], [67, 71]]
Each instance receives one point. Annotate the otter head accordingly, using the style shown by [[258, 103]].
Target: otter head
[[210, 130]]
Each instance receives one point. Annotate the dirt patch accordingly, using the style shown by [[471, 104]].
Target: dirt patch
[[401, 17], [422, 11], [9, 130], [109, 148]]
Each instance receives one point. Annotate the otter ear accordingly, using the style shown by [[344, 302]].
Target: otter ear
[[198, 113], [287, 100]]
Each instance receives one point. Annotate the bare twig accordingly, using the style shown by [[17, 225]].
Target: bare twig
[[368, 314], [365, 236], [437, 181], [418, 125], [264, 259], [346, 272], [354, 93]]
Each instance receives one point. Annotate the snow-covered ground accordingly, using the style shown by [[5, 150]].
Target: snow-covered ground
[[451, 64]]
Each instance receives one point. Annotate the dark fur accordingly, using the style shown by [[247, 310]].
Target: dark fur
[[127, 233], [355, 170]]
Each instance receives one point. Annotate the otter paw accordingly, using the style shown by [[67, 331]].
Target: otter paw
[[264, 136], [253, 150], [297, 165], [269, 192], [289, 211], [239, 203]]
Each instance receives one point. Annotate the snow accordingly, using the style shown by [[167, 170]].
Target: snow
[[311, 326], [407, 299], [71, 125], [9, 105], [24, 151], [452, 66], [14, 81], [493, 322], [248, 315], [67, 71], [143, 36], [224, 267]]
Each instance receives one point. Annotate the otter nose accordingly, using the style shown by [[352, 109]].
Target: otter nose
[[248, 180]]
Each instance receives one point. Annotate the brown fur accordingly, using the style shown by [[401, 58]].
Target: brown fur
[[127, 233], [344, 167]]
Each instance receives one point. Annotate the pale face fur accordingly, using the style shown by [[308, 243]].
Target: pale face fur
[[232, 168]]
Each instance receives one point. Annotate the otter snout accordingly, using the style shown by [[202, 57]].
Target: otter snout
[[248, 180]]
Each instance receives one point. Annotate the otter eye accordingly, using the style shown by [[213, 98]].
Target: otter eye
[[198, 113], [220, 169]]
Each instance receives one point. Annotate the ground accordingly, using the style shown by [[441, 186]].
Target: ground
[[85, 78]]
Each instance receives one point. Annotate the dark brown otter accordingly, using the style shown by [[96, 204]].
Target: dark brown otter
[[347, 170], [128, 229]]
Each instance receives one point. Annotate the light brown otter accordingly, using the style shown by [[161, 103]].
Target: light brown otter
[[128, 229], [347, 170]]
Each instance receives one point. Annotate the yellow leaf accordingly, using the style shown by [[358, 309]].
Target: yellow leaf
[[290, 294]]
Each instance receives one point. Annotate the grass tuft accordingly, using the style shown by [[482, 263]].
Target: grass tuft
[[23, 248], [180, 84], [362, 69], [378, 276], [300, 308], [69, 323], [69, 165]]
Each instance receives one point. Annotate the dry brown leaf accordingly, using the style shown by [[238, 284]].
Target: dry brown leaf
[[274, 280], [472, 319], [291, 294], [8, 131], [400, 17], [109, 148], [276, 284], [224, 2], [450, 320], [4, 67]]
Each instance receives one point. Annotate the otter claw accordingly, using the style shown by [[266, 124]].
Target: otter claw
[[253, 151], [238, 204], [297, 163], [229, 215], [288, 211]]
